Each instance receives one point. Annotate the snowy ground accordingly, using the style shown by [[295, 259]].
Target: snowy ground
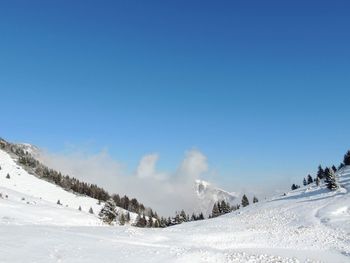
[[308, 225]]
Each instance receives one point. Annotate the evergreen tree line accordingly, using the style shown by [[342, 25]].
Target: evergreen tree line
[[72, 184], [179, 218], [223, 207], [326, 175], [110, 215]]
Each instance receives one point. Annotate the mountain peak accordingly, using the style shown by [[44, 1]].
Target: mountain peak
[[208, 194]]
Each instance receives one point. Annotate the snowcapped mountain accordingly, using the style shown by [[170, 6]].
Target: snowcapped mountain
[[209, 194]]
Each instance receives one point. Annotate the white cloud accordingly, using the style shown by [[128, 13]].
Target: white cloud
[[164, 192], [194, 164], [147, 166]]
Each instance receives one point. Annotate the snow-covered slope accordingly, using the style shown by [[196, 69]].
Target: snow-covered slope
[[209, 194], [311, 224], [29, 148], [31, 200]]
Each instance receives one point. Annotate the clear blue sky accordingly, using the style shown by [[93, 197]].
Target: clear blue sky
[[257, 86]]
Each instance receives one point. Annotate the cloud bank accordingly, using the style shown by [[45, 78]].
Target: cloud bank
[[166, 192]]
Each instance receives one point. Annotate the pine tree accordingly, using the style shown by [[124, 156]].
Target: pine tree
[[137, 221], [245, 201], [309, 179], [334, 168], [318, 180], [127, 218], [304, 182], [122, 219], [150, 222], [183, 217], [91, 211], [141, 221], [215, 212], [108, 213], [193, 217], [219, 208], [294, 187], [201, 216], [162, 222], [8, 176], [225, 207], [347, 158], [255, 200], [320, 172], [157, 223], [331, 182]]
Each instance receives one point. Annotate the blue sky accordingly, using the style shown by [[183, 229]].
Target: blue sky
[[262, 88]]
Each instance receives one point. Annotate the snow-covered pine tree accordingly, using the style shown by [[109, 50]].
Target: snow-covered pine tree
[[150, 222], [225, 207], [309, 179], [108, 213], [141, 221], [168, 223], [245, 201], [162, 222], [137, 221], [255, 199], [157, 223], [122, 219], [177, 218], [91, 211], [215, 212], [127, 218], [331, 182], [182, 216]]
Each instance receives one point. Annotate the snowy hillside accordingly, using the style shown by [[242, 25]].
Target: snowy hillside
[[34, 201], [311, 224], [208, 195], [29, 148]]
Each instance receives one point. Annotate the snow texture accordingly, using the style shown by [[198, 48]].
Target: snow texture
[[310, 224]]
